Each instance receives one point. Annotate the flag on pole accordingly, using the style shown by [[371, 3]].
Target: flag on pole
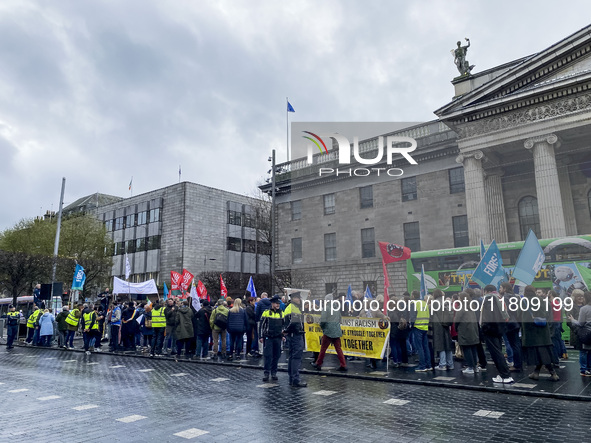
[[423, 289], [202, 290], [130, 182], [149, 302], [530, 260], [165, 290], [490, 270], [186, 279], [223, 289], [386, 286], [250, 288], [175, 283], [195, 298], [79, 278], [349, 294], [392, 253], [368, 293], [127, 267], [289, 107]]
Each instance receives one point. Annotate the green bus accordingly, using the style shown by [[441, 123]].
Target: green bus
[[448, 269]]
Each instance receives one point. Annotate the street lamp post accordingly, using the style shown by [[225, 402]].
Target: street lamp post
[[273, 221]]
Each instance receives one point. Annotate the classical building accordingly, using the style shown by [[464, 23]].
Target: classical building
[[185, 225], [510, 152]]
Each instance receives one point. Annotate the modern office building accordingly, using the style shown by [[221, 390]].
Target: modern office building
[[510, 152]]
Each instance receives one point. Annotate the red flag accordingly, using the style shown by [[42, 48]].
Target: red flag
[[202, 290], [175, 283], [223, 289], [186, 280], [392, 252], [386, 286]]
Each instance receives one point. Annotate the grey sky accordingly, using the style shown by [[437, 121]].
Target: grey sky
[[102, 91]]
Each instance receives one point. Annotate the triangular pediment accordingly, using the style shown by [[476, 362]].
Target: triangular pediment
[[557, 67]]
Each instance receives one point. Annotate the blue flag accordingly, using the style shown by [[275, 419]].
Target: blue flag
[[368, 293], [530, 260], [250, 288], [79, 278], [165, 292], [424, 291], [490, 270], [289, 107]]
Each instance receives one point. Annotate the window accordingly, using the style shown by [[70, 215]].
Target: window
[[330, 288], [330, 247], [250, 220], [366, 197], [154, 215], [142, 218], [460, 226], [456, 180], [130, 220], [234, 244], [368, 243], [234, 218], [329, 206], [140, 244], [119, 248], [130, 246], [249, 246], [154, 242], [529, 218], [296, 210], [118, 223], [109, 225], [412, 237], [409, 189], [296, 250]]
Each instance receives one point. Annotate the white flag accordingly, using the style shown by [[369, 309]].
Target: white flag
[[194, 297], [127, 267]]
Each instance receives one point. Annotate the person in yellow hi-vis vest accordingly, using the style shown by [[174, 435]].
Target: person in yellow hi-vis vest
[[420, 315], [33, 326], [72, 320]]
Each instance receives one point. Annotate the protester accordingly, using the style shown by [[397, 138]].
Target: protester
[[46, 328], [115, 326], [62, 327], [237, 326], [441, 320], [493, 321], [129, 327], [170, 314], [583, 321], [330, 322], [251, 333], [33, 326], [219, 324], [513, 325], [184, 329], [158, 329], [420, 319], [468, 333], [203, 330], [146, 329], [73, 319]]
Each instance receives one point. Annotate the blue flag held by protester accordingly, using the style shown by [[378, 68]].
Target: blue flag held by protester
[[490, 270], [250, 288], [530, 260], [79, 278]]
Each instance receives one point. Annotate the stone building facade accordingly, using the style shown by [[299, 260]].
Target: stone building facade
[[511, 152], [185, 225]]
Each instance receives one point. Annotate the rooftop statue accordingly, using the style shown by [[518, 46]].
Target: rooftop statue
[[459, 55]]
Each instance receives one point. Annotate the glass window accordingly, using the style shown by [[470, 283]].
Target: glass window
[[409, 189], [249, 246], [249, 220], [366, 197], [119, 248], [154, 242], [130, 220], [296, 250], [234, 218], [142, 218], [130, 246], [296, 210], [529, 218], [329, 205], [154, 215], [368, 243], [412, 237], [460, 227], [234, 244], [118, 223], [109, 225], [456, 180], [330, 247], [330, 288], [140, 244]]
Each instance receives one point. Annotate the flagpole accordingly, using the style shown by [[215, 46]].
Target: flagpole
[[287, 125]]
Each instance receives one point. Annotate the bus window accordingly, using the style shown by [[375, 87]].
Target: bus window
[[569, 253]]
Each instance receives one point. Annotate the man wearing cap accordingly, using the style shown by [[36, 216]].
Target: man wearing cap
[[13, 319], [294, 331], [270, 331]]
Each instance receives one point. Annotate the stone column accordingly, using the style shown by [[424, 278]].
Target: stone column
[[476, 205], [496, 206], [566, 196], [547, 185]]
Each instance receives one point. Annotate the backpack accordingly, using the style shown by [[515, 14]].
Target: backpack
[[221, 320], [584, 333]]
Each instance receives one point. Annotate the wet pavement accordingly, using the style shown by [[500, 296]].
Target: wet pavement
[[55, 395]]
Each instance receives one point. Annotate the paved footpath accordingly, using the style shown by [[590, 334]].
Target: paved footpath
[[51, 395]]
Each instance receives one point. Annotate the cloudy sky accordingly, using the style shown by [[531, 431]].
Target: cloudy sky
[[100, 91]]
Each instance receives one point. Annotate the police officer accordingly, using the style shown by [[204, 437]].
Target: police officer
[[158, 328], [270, 331], [13, 319], [294, 331]]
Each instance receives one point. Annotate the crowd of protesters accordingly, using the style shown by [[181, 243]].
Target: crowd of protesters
[[437, 337]]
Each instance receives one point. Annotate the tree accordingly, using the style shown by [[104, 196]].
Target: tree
[[27, 249]]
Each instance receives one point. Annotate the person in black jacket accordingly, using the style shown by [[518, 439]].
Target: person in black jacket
[[271, 333], [252, 346], [203, 329]]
